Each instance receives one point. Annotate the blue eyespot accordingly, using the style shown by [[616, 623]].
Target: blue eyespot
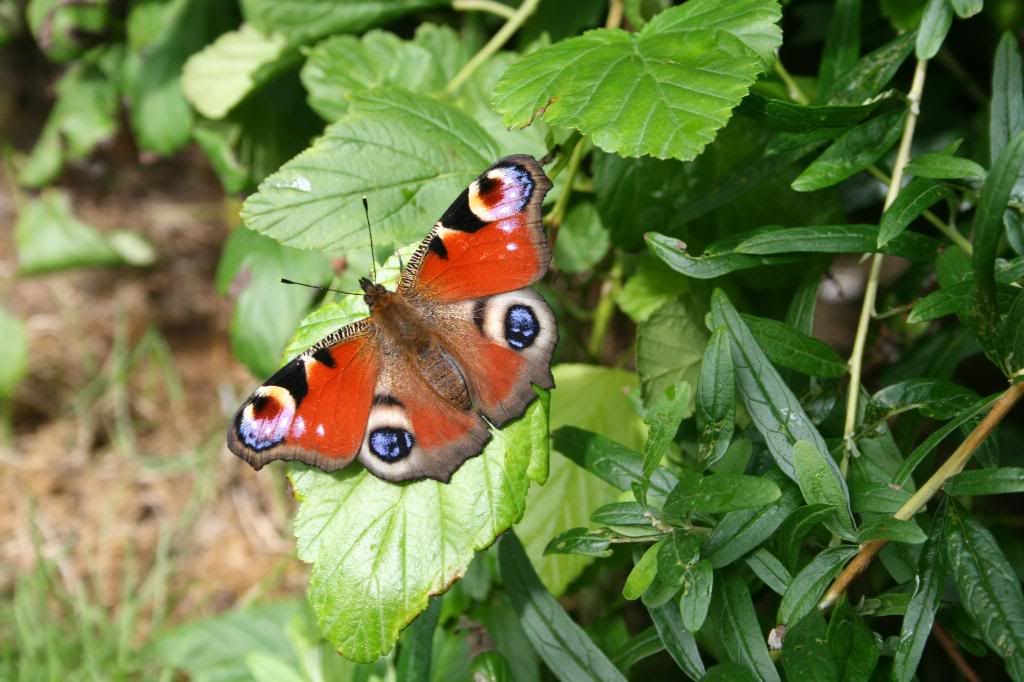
[[391, 445], [521, 327]]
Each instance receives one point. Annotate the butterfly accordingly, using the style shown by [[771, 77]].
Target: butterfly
[[411, 390]]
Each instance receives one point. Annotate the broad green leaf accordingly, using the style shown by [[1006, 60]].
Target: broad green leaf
[[796, 527], [780, 114], [986, 482], [716, 399], [49, 237], [582, 240], [944, 166], [267, 311], [593, 398], [935, 22], [718, 493], [809, 584], [787, 347], [679, 643], [837, 239], [664, 413], [820, 481], [935, 398], [740, 633], [774, 410], [913, 200], [303, 21], [853, 644], [917, 622], [378, 551], [842, 43], [14, 350], [563, 645], [893, 530], [313, 201], [669, 347], [852, 152], [717, 259], [805, 652], [84, 115], [871, 73], [695, 597], [738, 532], [222, 74], [652, 285], [672, 84], [1006, 117], [770, 570], [643, 573], [988, 586]]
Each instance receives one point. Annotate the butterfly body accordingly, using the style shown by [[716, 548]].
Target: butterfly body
[[411, 389]]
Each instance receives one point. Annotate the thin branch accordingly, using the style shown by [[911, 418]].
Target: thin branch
[[953, 651], [927, 491], [496, 42], [792, 89], [614, 19], [497, 8]]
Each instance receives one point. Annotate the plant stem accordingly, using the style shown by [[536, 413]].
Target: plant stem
[[557, 214], [942, 226], [614, 19], [496, 42], [792, 89], [605, 309], [503, 11], [871, 288], [918, 500]]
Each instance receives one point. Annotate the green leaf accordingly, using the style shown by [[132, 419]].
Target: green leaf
[[935, 22], [49, 237], [593, 398], [64, 31], [790, 348], [562, 644], [780, 114], [677, 555], [740, 633], [1011, 336], [490, 666], [1006, 117], [738, 532], [303, 21], [645, 644], [695, 597], [417, 646], [643, 573], [304, 203], [672, 84], [652, 285], [967, 8], [796, 527], [14, 350], [809, 584], [718, 493], [920, 615], [852, 152], [921, 451], [893, 530], [944, 166], [224, 72], [986, 482], [919, 195], [595, 543], [842, 43], [935, 398], [665, 413], [610, 461], [716, 399], [582, 240], [622, 514], [867, 78], [266, 311], [774, 410], [668, 351], [729, 672], [805, 652], [988, 586], [820, 481], [837, 239], [717, 259], [770, 570], [852, 644], [379, 550], [679, 643]]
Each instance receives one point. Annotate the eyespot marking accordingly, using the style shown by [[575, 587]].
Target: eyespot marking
[[266, 420], [391, 444], [521, 326]]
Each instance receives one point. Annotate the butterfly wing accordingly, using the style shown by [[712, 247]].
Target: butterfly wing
[[315, 408]]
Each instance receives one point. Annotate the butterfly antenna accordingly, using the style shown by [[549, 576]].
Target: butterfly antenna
[[373, 259], [314, 286]]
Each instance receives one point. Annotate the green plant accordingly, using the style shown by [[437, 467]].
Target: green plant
[[717, 478]]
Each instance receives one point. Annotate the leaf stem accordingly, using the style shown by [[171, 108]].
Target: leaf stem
[[871, 288], [557, 213], [605, 309], [792, 89], [927, 491], [496, 42], [615, 10], [492, 6]]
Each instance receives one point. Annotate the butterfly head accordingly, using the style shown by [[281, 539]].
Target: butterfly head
[[374, 294]]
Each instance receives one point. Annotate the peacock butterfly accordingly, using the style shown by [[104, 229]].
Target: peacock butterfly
[[410, 390]]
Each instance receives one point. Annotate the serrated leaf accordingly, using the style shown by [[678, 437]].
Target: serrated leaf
[[852, 152], [562, 644], [836, 239], [673, 83], [669, 350], [313, 201], [919, 195], [787, 347], [740, 631], [302, 21], [944, 166], [717, 259], [990, 589], [917, 622], [820, 481], [809, 584], [806, 654], [716, 399]]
